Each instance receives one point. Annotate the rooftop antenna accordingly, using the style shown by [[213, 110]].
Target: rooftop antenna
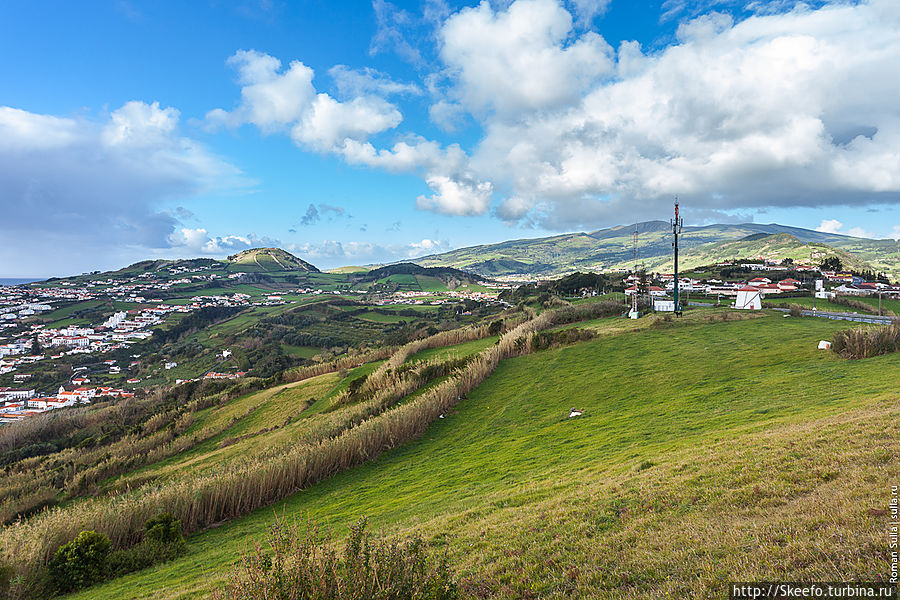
[[677, 225]]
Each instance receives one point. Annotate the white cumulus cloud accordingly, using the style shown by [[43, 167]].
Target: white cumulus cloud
[[830, 226], [521, 58], [271, 97]]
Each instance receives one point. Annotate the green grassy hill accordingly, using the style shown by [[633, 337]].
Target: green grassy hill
[[776, 246], [710, 450], [268, 260], [613, 248]]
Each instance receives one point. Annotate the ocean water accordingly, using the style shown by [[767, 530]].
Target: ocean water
[[17, 281]]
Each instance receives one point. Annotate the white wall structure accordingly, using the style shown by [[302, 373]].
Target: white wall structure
[[664, 305], [748, 298]]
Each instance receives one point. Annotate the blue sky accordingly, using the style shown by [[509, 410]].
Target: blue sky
[[360, 132]]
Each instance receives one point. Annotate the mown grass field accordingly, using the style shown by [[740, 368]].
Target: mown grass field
[[708, 451]]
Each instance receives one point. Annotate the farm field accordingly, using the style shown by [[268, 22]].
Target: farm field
[[673, 414]]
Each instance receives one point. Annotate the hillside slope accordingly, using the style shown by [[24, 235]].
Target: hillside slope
[[674, 482], [614, 248], [269, 260], [776, 246]]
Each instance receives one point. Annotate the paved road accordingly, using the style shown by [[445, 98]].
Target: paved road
[[842, 316], [839, 316]]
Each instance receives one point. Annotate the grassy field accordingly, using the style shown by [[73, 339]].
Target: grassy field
[[300, 351], [416, 307], [708, 451], [382, 318], [246, 420], [63, 314]]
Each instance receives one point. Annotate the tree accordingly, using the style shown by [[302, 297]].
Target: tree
[[832, 263], [36, 346]]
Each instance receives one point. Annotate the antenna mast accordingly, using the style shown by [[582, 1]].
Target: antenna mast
[[677, 224], [637, 283]]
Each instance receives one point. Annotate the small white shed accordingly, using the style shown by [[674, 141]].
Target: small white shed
[[664, 305], [748, 298]]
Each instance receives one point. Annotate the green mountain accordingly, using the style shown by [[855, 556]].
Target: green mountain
[[614, 248], [776, 246], [268, 260]]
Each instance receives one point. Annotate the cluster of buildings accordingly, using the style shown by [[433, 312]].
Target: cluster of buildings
[[868, 289], [21, 403], [416, 297], [716, 287], [120, 330]]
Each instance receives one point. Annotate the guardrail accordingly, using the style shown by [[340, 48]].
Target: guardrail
[[845, 316], [823, 314]]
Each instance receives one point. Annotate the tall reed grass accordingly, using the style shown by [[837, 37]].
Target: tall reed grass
[[866, 342], [350, 361], [238, 488]]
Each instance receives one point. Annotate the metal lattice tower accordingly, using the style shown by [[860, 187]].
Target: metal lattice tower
[[677, 225], [637, 287]]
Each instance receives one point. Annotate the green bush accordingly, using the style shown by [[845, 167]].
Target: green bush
[[164, 528], [81, 562], [162, 542], [301, 564]]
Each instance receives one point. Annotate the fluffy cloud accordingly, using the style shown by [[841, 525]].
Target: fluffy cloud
[[276, 99], [835, 226], [328, 124], [586, 10], [455, 197], [270, 98], [198, 241], [427, 246], [92, 186], [521, 59], [361, 82], [829, 226], [331, 253]]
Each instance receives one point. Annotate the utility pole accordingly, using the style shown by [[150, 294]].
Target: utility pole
[[677, 225]]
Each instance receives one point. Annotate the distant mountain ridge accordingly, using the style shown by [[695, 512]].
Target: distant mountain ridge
[[613, 248]]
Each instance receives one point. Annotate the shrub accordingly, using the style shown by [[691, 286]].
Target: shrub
[[854, 304], [796, 310], [495, 327], [164, 528], [543, 340], [162, 541], [81, 562], [301, 564], [866, 342]]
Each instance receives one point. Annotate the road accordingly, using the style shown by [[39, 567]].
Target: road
[[838, 316]]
